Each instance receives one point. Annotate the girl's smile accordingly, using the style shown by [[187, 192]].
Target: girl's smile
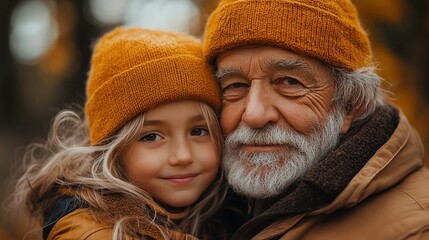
[[182, 179]]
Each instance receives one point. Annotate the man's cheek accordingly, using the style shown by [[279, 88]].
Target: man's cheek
[[229, 119], [225, 125]]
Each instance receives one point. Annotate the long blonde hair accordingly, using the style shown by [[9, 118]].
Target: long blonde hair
[[67, 160]]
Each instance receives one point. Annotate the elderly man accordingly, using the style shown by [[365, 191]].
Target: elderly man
[[309, 139]]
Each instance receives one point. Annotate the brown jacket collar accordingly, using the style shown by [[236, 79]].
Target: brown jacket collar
[[331, 175]]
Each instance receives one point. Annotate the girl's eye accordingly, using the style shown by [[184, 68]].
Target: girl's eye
[[151, 137], [199, 132]]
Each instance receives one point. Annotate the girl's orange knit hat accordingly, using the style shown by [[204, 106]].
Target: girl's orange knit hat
[[326, 30], [135, 69]]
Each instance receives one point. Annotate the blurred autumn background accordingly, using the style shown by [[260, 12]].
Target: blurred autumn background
[[45, 46]]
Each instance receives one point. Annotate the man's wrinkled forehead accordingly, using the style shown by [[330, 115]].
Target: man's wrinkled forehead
[[232, 51]]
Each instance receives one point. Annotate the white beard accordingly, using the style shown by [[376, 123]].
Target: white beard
[[267, 174]]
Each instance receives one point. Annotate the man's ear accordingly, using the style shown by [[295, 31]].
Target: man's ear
[[347, 122], [349, 118]]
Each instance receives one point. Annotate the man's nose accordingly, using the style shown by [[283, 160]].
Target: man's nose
[[260, 108], [181, 153]]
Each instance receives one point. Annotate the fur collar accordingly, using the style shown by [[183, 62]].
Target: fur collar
[[121, 206]]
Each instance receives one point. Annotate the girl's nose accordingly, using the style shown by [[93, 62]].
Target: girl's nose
[[180, 154]]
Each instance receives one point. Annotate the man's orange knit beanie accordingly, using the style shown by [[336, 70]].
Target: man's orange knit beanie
[[326, 30], [134, 70]]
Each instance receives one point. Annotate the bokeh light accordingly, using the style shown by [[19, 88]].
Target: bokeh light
[[33, 31], [177, 16], [108, 12]]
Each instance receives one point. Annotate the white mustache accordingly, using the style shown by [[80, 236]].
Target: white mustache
[[269, 135]]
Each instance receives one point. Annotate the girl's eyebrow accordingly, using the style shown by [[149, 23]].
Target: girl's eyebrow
[[195, 118], [153, 122]]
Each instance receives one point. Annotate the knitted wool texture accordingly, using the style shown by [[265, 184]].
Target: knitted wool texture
[[326, 30], [134, 70]]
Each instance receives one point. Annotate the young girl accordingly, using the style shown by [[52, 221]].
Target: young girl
[[142, 162]]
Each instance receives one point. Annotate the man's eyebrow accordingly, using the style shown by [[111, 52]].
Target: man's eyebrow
[[227, 72], [289, 64]]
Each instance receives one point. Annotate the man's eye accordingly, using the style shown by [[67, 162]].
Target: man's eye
[[234, 86], [199, 132], [151, 137], [290, 86], [290, 81], [235, 91]]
